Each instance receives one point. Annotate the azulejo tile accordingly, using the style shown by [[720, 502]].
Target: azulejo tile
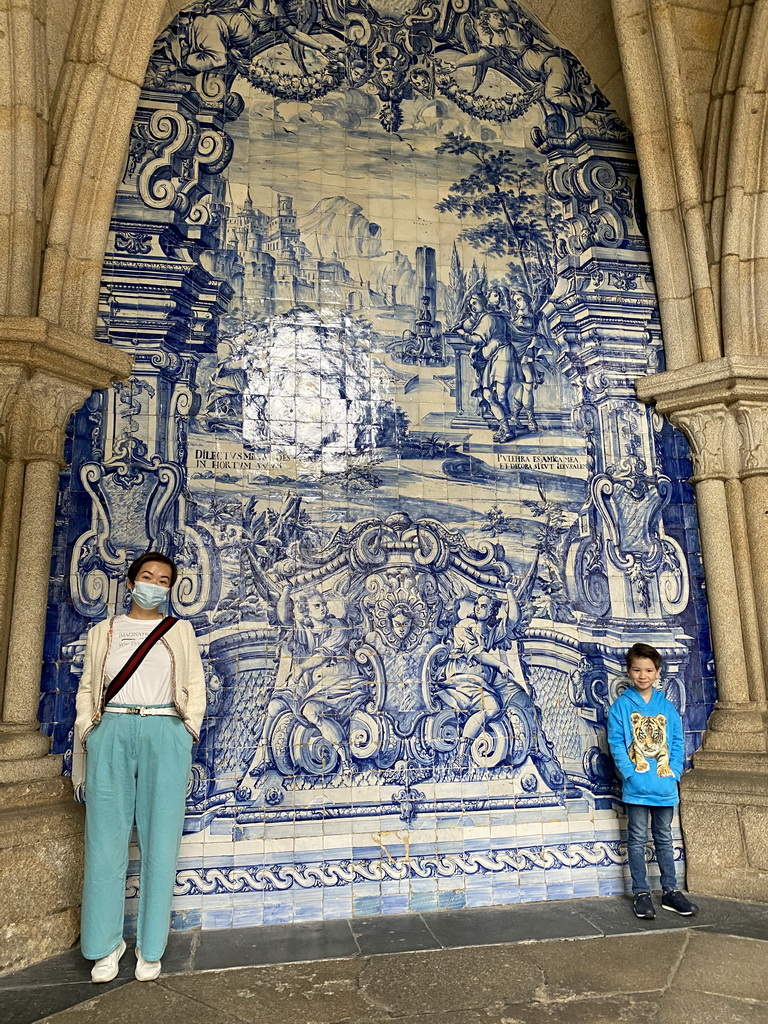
[[387, 302]]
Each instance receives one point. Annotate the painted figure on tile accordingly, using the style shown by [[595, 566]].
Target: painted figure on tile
[[226, 387], [323, 678], [506, 41], [479, 674], [494, 359], [422, 78], [228, 31], [472, 308], [524, 334], [402, 607]]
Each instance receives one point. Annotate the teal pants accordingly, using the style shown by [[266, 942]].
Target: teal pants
[[137, 769]]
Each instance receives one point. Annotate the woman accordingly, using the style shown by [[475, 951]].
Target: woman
[[138, 737]]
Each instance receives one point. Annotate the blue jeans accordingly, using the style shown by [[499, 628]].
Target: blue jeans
[[637, 837]]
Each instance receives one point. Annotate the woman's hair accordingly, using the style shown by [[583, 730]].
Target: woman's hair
[[152, 556], [643, 651]]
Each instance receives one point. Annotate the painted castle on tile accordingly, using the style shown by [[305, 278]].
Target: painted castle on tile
[[384, 276]]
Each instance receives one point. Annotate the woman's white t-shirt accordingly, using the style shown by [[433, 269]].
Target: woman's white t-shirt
[[151, 682]]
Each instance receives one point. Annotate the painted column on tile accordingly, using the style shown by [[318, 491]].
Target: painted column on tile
[[385, 278]]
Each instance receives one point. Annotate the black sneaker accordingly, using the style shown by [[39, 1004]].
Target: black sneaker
[[675, 901], [643, 905]]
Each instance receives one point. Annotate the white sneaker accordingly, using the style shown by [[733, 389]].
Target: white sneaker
[[146, 970], [106, 969]]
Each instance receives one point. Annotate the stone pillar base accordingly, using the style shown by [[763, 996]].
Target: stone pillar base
[[41, 857], [739, 730], [724, 815]]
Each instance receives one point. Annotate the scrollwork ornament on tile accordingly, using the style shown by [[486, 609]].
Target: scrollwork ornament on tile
[[630, 502], [183, 153], [282, 877], [133, 242], [601, 206]]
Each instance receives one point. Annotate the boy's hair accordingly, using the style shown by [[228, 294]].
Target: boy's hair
[[637, 651], [152, 556]]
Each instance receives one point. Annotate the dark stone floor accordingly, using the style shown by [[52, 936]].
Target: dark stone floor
[[574, 962]]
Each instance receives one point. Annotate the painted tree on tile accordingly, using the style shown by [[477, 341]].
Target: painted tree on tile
[[505, 193]]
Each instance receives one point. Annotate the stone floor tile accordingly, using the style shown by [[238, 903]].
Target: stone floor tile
[[63, 969], [141, 1003], [620, 963], [272, 944], [25, 1005], [318, 993], [725, 965], [616, 916], [443, 1017], [392, 933], [179, 951], [492, 925], [721, 977], [685, 1006], [449, 980], [622, 1009], [732, 917], [72, 968], [742, 929]]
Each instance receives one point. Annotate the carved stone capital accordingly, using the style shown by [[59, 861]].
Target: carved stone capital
[[752, 421], [11, 381], [705, 430], [722, 407], [51, 402]]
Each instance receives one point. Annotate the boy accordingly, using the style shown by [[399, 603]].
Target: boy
[[645, 735]]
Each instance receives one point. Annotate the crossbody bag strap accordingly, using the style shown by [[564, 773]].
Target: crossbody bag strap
[[137, 657]]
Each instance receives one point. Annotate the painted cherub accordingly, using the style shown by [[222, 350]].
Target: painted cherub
[[231, 28], [505, 40]]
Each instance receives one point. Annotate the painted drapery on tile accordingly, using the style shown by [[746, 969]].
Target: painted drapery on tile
[[384, 276]]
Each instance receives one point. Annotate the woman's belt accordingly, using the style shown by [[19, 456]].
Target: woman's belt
[[143, 711]]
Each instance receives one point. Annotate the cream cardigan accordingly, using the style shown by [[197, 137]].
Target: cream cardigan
[[187, 678]]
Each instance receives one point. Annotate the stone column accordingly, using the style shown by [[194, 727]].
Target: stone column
[[53, 401], [725, 553], [11, 489], [45, 375], [722, 407]]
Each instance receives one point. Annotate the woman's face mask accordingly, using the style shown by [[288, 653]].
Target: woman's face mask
[[148, 595]]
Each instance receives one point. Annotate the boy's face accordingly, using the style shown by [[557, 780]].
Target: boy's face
[[643, 674]]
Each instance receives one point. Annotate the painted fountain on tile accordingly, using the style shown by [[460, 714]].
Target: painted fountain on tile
[[384, 277]]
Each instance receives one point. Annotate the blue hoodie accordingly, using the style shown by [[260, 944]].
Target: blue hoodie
[[646, 741]]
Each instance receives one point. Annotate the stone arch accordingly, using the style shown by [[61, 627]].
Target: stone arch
[[666, 146], [734, 168], [95, 100]]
